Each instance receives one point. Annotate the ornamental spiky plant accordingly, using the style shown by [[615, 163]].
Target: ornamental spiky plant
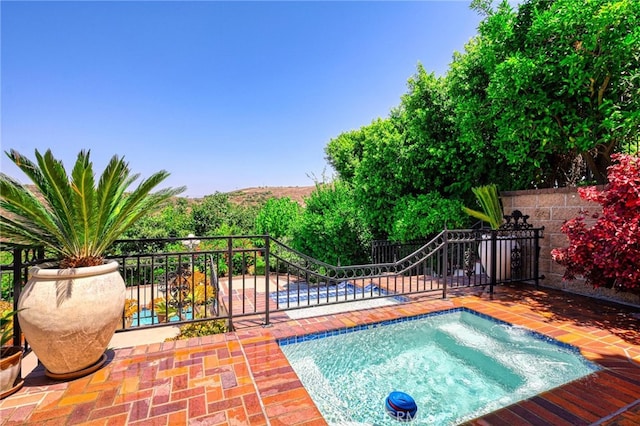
[[73, 217], [490, 202]]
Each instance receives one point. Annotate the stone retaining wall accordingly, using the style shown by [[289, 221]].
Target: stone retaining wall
[[551, 208]]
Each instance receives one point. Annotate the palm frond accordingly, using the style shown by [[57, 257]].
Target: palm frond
[[28, 168], [20, 207], [76, 219], [489, 200], [140, 196], [138, 204], [111, 187], [25, 233], [58, 195], [84, 202]]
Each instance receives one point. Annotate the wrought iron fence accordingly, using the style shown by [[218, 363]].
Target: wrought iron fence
[[15, 262], [250, 278], [384, 251], [630, 146]]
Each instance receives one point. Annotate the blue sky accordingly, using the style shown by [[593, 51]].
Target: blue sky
[[223, 95]]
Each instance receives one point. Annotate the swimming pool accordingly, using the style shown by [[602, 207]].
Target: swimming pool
[[146, 318], [456, 364], [303, 293]]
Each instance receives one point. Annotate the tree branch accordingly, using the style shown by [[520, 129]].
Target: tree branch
[[602, 88]]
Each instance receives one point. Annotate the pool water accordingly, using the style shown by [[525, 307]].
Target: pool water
[[457, 366], [146, 318], [303, 293]]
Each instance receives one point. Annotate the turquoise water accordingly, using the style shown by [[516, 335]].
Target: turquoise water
[[147, 319], [303, 293], [456, 366]]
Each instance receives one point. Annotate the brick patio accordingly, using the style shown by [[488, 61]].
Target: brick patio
[[242, 378]]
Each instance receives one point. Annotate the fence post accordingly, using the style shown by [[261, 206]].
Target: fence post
[[267, 241], [230, 272], [494, 259], [445, 266], [17, 289], [536, 261]]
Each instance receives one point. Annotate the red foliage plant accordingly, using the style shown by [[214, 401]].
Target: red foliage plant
[[607, 254]]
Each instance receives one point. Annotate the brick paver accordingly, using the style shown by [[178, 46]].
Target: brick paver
[[243, 378]]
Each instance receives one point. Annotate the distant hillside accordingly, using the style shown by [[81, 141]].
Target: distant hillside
[[258, 195], [249, 196]]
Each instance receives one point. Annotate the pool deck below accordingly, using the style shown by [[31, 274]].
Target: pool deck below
[[243, 378]]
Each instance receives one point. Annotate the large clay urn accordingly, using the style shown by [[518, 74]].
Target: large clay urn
[[68, 316]]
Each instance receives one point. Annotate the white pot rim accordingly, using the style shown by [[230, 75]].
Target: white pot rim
[[499, 237], [52, 270]]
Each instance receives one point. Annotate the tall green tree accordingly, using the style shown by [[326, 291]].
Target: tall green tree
[[215, 214], [565, 83], [429, 154], [377, 182], [330, 227], [467, 84], [414, 151], [277, 216], [177, 219], [173, 221], [210, 213], [541, 94], [416, 217], [345, 152]]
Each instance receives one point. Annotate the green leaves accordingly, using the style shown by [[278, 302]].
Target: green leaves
[[277, 217], [6, 324], [209, 214], [544, 92], [489, 200], [330, 228], [424, 215], [84, 198], [562, 86], [74, 218]]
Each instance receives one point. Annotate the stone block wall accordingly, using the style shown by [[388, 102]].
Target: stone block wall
[[551, 208]]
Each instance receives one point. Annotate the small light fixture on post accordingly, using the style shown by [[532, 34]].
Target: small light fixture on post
[[191, 243]]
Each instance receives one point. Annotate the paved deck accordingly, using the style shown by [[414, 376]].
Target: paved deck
[[242, 378]]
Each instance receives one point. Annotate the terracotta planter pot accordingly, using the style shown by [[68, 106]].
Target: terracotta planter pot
[[68, 316], [11, 356]]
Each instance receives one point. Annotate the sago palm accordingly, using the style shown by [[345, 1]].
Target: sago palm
[[71, 216]]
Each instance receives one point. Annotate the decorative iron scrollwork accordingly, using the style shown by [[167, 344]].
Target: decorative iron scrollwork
[[516, 260], [513, 221], [469, 261]]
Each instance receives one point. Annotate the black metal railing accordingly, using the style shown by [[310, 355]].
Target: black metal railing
[[385, 251], [15, 262], [250, 278], [174, 287], [631, 147]]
